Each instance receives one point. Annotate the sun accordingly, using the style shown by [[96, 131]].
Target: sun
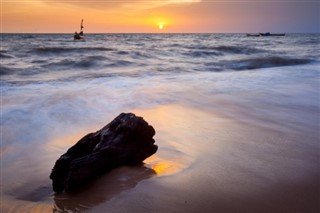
[[161, 25]]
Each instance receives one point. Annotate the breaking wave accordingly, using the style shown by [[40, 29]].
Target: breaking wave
[[5, 70], [221, 50], [4, 55], [265, 62], [83, 62], [57, 57], [67, 50]]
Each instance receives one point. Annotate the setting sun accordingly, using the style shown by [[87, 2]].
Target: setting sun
[[161, 25]]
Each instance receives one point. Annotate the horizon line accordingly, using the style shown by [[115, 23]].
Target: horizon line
[[91, 33]]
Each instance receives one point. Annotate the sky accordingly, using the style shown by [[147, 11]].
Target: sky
[[160, 16]]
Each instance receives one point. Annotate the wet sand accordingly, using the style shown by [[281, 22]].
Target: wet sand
[[228, 166], [207, 162]]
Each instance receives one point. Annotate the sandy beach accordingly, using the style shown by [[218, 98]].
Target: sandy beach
[[206, 162]]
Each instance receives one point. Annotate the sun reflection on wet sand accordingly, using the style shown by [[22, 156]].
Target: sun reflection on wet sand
[[178, 137], [163, 166]]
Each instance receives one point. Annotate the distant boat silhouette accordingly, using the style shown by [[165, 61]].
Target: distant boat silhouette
[[265, 34]]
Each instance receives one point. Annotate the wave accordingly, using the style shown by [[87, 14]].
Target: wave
[[203, 51], [38, 61], [121, 63], [238, 49], [4, 70], [135, 54], [96, 75], [87, 62], [123, 52], [140, 55], [265, 62], [4, 55], [63, 50]]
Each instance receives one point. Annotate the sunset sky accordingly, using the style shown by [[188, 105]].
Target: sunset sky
[[158, 16]]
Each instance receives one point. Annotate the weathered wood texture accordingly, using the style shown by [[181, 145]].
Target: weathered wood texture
[[127, 140]]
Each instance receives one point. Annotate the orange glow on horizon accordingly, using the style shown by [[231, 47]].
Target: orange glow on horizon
[[47, 17], [135, 16]]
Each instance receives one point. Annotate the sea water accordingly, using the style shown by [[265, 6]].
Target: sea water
[[57, 89], [49, 80]]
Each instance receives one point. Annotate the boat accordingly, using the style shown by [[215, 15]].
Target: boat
[[272, 34], [265, 34], [253, 35], [79, 36]]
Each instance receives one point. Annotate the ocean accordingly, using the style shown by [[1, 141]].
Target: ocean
[[254, 99]]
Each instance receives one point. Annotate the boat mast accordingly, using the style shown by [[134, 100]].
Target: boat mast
[[81, 25]]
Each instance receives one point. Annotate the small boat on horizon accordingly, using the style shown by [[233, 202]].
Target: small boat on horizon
[[265, 34], [79, 36]]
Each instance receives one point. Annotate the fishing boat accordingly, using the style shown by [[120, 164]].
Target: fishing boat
[[253, 35], [272, 34], [79, 36], [265, 34]]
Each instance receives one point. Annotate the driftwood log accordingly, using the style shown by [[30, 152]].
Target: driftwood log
[[127, 140]]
